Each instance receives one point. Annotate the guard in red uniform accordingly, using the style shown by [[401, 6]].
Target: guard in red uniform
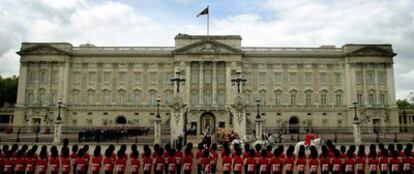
[[264, 163], [251, 163], [360, 160], [179, 155], [372, 160], [308, 139], [20, 162], [227, 162], [80, 162], [172, 163], [199, 156], [8, 165], [384, 162], [324, 160], [277, 162], [350, 163], [65, 160], [30, 162], [214, 157], [206, 163], [336, 163], [289, 161], [301, 161], [87, 157], [54, 160], [159, 162], [238, 162], [109, 162], [313, 162], [43, 160], [408, 162], [147, 162], [135, 164], [187, 161], [74, 156], [395, 163], [96, 160], [121, 162]]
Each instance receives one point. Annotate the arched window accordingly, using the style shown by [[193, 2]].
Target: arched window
[[41, 96], [194, 97], [75, 97], [278, 97], [262, 96], [293, 94], [121, 97], [107, 97], [371, 97], [338, 98], [136, 98], [152, 98], [308, 97], [221, 98], [91, 97], [168, 97], [207, 98], [324, 98]]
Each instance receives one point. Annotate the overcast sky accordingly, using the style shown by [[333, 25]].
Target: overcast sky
[[259, 22]]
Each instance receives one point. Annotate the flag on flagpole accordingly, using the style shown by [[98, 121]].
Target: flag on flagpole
[[204, 12]]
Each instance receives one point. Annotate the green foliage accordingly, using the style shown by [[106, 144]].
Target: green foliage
[[8, 90], [404, 104]]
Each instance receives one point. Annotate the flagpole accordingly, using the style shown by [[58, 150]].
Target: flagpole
[[208, 21]]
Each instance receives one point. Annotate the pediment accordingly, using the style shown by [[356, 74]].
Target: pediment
[[42, 49], [372, 51], [208, 47]]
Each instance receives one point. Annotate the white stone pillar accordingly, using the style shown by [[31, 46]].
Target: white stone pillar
[[21, 94], [57, 136], [239, 123], [157, 131], [357, 132], [259, 128], [214, 81], [201, 85], [177, 125]]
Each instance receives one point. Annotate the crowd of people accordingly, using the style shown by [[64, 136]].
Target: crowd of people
[[109, 134], [208, 159]]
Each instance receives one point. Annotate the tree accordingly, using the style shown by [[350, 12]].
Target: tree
[[8, 90], [404, 104]]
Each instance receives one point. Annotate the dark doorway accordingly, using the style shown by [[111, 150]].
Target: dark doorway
[[121, 120], [294, 125], [207, 123]]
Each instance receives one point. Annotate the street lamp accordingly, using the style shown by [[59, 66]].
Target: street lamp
[[258, 115], [355, 109], [177, 80], [238, 81], [158, 107], [60, 104]]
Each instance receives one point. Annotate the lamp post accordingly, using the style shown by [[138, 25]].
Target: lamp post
[[177, 80], [355, 104], [259, 121], [58, 125], [157, 124], [258, 115], [356, 122], [158, 107], [238, 81]]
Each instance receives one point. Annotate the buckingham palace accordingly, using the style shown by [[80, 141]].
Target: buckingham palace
[[215, 76]]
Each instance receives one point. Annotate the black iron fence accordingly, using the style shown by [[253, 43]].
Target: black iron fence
[[100, 134], [343, 134]]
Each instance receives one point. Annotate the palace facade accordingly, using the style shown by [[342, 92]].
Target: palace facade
[[119, 85]]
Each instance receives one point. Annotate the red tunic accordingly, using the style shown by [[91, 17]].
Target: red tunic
[[277, 165], [31, 164], [172, 164], [135, 165], [251, 165], [187, 162], [206, 165], [336, 165], [42, 165], [179, 157], [120, 164], [109, 164], [65, 164], [349, 165], [159, 164], [360, 163], [199, 156], [308, 139], [238, 164], [8, 165], [80, 164], [373, 164], [245, 155], [324, 164], [19, 164], [54, 164], [227, 163], [264, 165], [407, 162], [395, 165], [313, 166], [289, 163], [147, 164], [384, 164], [214, 158], [301, 163], [96, 163]]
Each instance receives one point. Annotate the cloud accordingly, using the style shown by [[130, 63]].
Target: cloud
[[261, 23]]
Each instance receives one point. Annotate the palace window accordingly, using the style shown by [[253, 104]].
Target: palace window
[[381, 77], [323, 78], [43, 78], [370, 77], [152, 99], [293, 98], [371, 97], [53, 97], [168, 97], [262, 95], [207, 98], [277, 78], [137, 78], [308, 98], [221, 98], [32, 76], [122, 78], [262, 78], [278, 96], [91, 97], [359, 98], [194, 98], [29, 98], [207, 77], [136, 98], [359, 77], [308, 78], [293, 78], [107, 77], [338, 79], [324, 99], [121, 98], [41, 97], [107, 98], [77, 76], [92, 77], [168, 77], [152, 78], [55, 76], [382, 99], [75, 95], [338, 99]]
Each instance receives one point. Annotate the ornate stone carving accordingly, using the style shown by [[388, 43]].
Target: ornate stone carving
[[177, 106], [209, 48], [239, 106]]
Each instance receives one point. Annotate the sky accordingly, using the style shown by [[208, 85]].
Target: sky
[[281, 23]]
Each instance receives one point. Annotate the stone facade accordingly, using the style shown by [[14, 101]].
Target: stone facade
[[296, 86]]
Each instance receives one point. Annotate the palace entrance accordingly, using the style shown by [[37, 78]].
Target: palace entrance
[[121, 120], [207, 123], [293, 125]]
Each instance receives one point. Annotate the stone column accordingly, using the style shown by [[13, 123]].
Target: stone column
[[177, 119], [357, 132], [259, 128], [214, 81], [157, 131], [21, 95], [239, 116], [57, 136], [201, 85]]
